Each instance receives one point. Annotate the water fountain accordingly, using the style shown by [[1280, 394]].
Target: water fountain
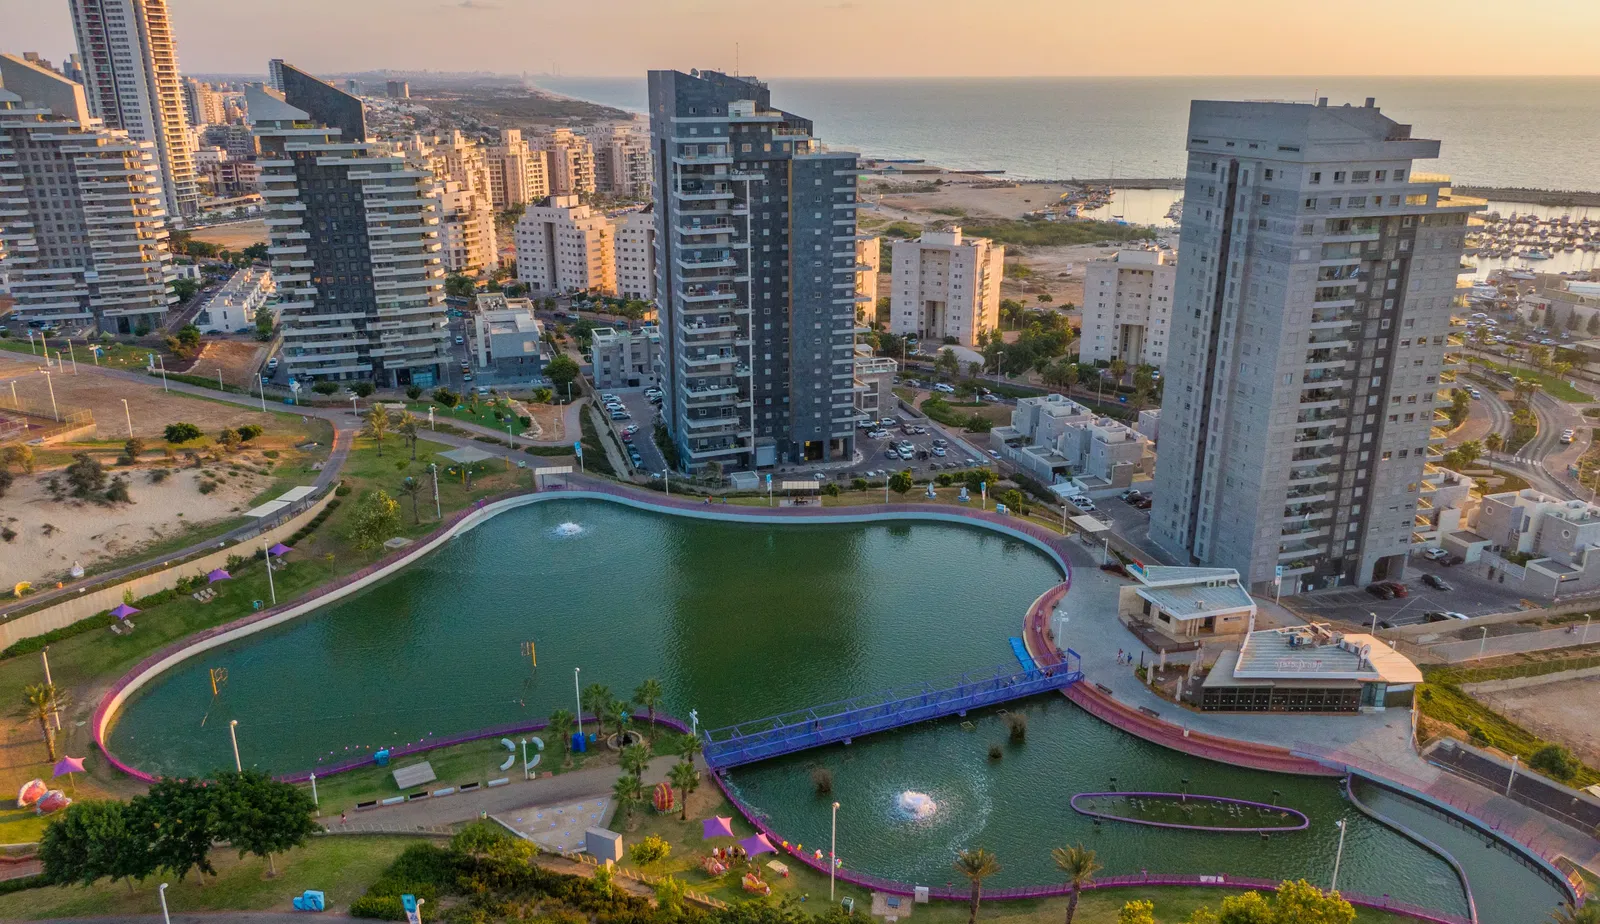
[[916, 805]]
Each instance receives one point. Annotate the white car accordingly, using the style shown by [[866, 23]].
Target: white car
[[1435, 554], [947, 389], [938, 451], [878, 434], [1082, 503]]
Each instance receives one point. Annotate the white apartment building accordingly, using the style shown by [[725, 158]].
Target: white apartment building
[[130, 69], [467, 235], [1313, 296], [517, 173], [1127, 307], [507, 339], [624, 359], [869, 260], [83, 236], [233, 307], [946, 286], [1053, 438], [355, 251], [621, 161], [569, 160], [203, 105], [564, 247], [636, 255]]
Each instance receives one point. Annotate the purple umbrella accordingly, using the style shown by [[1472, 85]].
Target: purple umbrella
[[217, 575], [716, 826], [123, 611], [280, 549], [756, 845], [68, 765]]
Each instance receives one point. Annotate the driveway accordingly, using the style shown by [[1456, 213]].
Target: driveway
[[642, 414]]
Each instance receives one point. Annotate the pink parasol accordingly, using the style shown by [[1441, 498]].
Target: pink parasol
[[68, 765], [123, 611], [217, 575], [716, 826], [756, 845], [279, 550]]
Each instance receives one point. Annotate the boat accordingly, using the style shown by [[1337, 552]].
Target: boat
[[1535, 255]]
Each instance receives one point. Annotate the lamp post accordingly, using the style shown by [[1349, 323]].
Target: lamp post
[[261, 383], [1484, 640], [44, 655], [1374, 622], [162, 892], [233, 735], [162, 365], [51, 385], [578, 692], [1337, 858], [1513, 778], [833, 850], [219, 380], [315, 802], [271, 587], [1586, 618], [128, 416], [433, 467], [73, 355]]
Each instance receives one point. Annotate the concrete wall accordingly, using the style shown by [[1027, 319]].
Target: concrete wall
[[89, 603], [1519, 683]]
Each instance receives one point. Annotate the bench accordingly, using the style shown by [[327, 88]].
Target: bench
[[1104, 689], [1150, 712]]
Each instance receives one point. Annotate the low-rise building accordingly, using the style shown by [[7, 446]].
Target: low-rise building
[[1542, 543], [1444, 509], [1309, 668], [507, 339], [233, 307], [624, 358], [1053, 438], [946, 286], [1187, 604], [564, 247], [1127, 307]]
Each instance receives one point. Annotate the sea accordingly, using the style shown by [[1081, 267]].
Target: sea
[[1535, 132], [1524, 132]]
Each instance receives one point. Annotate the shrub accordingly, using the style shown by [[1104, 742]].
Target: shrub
[[822, 780], [341, 490], [650, 850], [860, 484], [1555, 760], [117, 493], [181, 432], [206, 487], [270, 453], [831, 490], [1017, 725], [249, 432], [995, 752]]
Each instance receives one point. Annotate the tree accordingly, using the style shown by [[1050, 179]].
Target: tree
[[376, 518], [1572, 320], [181, 432], [634, 759], [1137, 912], [20, 456], [1246, 908], [181, 820], [229, 440], [687, 779], [1300, 902], [1118, 368], [977, 865], [900, 482], [40, 703], [86, 476], [628, 792], [975, 369], [562, 725], [131, 450], [1593, 327], [446, 398], [1469, 452], [410, 429], [264, 323], [260, 815], [249, 432], [561, 370], [618, 712], [1556, 761], [1589, 913], [362, 388], [95, 840], [1079, 864], [325, 387], [184, 289], [412, 488], [597, 696], [459, 286], [379, 423], [948, 363], [413, 392], [690, 746], [648, 694], [1539, 356], [1494, 442], [256, 252], [6, 478]]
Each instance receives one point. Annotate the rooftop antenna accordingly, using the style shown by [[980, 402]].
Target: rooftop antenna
[[735, 59]]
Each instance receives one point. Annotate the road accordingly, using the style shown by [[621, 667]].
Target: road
[[1489, 646]]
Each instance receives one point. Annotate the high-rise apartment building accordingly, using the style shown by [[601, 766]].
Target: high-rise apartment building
[[72, 68], [946, 285], [756, 276], [869, 260], [83, 237], [569, 160], [1127, 307], [398, 89], [461, 184], [636, 255], [355, 251], [1312, 305], [517, 173], [565, 247], [275, 74], [130, 65], [202, 105], [621, 161]]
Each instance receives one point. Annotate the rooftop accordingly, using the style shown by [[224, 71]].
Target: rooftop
[[1317, 652]]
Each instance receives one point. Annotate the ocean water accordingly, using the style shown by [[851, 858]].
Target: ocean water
[[1538, 132]]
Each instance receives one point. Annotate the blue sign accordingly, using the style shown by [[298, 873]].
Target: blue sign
[[409, 904], [577, 449], [769, 479]]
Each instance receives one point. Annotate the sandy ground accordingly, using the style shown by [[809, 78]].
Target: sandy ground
[[968, 195], [239, 361], [51, 535], [1562, 712], [152, 409], [235, 235]]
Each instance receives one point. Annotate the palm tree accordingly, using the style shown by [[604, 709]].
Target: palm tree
[[596, 696], [40, 703], [648, 694], [1118, 368], [618, 712], [412, 488], [690, 746], [635, 758], [1494, 442], [977, 865], [1079, 864], [687, 779], [409, 428], [1588, 913], [563, 726], [628, 790], [1469, 452], [379, 423]]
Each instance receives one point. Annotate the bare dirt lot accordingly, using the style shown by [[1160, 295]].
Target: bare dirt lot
[[964, 197], [239, 361], [235, 235], [51, 535], [1563, 711]]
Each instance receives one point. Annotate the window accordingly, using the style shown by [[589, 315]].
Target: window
[[1316, 177]]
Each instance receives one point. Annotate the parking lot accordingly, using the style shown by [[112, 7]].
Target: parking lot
[[876, 458], [642, 414], [1470, 594]]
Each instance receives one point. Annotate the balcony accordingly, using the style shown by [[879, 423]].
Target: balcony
[[721, 227], [707, 293]]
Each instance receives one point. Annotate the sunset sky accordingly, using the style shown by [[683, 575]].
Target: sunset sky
[[820, 38]]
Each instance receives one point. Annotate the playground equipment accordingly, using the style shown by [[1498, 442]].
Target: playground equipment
[[31, 792]]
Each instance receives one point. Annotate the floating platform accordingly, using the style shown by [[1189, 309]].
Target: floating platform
[[1190, 812]]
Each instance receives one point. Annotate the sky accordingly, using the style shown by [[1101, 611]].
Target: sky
[[866, 38]]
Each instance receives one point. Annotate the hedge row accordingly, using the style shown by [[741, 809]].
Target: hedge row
[[316, 521]]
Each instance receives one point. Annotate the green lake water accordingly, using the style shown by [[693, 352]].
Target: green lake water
[[741, 621]]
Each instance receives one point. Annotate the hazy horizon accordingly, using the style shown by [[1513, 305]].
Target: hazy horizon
[[857, 39]]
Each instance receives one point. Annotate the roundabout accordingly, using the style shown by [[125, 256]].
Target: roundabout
[[743, 619]]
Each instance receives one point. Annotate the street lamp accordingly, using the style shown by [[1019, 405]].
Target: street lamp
[[1586, 618], [833, 850], [578, 692], [53, 411], [73, 355], [1484, 640], [267, 553], [1338, 857], [162, 892], [1513, 778], [261, 383], [128, 416], [234, 736]]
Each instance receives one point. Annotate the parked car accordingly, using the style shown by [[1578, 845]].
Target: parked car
[[1567, 437], [1451, 561], [1131, 495], [938, 451], [1397, 588], [1435, 554], [1381, 591], [1144, 503], [891, 453], [1442, 615], [1435, 581], [947, 389]]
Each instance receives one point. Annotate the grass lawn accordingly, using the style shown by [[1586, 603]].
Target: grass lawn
[[114, 355], [342, 866], [483, 414], [1553, 386], [1446, 703]]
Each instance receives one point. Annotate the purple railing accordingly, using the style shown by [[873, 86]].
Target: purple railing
[[1183, 797]]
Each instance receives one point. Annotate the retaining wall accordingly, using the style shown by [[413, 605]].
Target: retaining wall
[[1538, 680], [90, 602]]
